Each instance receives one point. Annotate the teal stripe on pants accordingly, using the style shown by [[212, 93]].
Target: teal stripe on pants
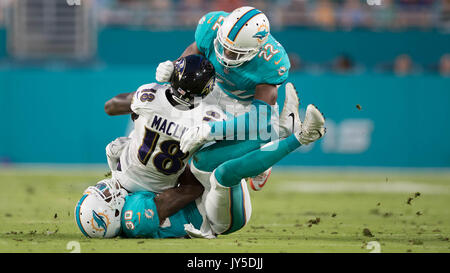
[[237, 209]]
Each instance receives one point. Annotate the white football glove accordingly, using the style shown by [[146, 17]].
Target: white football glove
[[164, 71], [195, 137], [114, 150]]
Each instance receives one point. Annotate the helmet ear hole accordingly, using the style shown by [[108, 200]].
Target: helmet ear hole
[[117, 213]]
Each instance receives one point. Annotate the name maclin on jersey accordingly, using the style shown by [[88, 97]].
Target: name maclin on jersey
[[168, 127]]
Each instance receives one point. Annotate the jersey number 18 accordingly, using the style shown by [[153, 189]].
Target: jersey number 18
[[170, 158]]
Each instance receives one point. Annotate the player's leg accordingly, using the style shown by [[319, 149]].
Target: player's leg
[[228, 209], [288, 123], [228, 204], [253, 163], [210, 157], [231, 172]]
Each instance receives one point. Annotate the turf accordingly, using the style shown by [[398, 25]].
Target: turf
[[298, 211]]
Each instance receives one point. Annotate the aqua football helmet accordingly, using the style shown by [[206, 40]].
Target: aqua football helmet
[[98, 212], [241, 36]]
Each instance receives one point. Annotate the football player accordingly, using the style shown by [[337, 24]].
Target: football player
[[106, 210], [250, 64], [150, 159]]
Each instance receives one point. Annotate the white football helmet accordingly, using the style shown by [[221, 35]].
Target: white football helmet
[[241, 36], [99, 210]]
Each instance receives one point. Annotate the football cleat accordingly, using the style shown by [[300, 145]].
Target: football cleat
[[313, 126], [258, 182], [289, 118]]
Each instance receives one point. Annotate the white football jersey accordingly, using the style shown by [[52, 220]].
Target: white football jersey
[[152, 160]]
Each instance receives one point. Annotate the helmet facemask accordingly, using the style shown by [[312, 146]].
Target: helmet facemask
[[230, 56], [110, 191]]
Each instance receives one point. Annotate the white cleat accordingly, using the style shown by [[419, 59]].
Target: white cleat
[[289, 117], [258, 182], [313, 126]]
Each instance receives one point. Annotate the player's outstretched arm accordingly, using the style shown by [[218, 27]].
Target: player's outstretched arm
[[172, 200], [119, 105]]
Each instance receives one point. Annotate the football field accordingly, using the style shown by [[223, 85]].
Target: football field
[[303, 210]]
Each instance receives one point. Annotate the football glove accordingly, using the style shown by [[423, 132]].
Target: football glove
[[164, 71], [195, 137]]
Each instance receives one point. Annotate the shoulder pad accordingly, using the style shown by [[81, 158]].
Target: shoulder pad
[[207, 28], [274, 57], [144, 96]]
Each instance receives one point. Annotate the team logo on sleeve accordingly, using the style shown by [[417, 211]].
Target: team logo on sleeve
[[180, 65], [282, 70], [149, 213], [99, 222]]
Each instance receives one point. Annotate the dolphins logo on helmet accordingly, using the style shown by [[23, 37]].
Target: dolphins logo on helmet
[[98, 213], [99, 220], [263, 31]]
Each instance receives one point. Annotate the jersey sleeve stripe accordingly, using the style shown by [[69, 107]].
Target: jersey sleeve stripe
[[241, 22]]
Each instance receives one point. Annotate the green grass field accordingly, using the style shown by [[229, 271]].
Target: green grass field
[[303, 211]]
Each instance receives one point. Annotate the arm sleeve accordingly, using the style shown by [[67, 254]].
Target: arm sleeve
[[279, 77], [206, 32], [277, 67], [143, 97], [139, 216]]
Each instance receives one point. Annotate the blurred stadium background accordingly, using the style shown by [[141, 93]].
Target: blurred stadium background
[[378, 69]]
